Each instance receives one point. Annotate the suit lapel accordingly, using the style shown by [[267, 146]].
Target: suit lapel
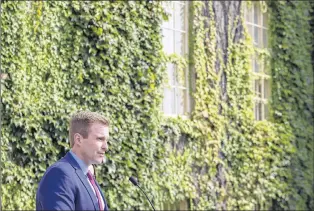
[[83, 178]]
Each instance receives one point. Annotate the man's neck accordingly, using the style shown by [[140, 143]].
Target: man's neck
[[79, 155]]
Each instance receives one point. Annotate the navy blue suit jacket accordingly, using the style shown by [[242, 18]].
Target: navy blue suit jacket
[[65, 187]]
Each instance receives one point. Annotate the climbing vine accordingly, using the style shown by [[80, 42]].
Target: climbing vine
[[292, 98]]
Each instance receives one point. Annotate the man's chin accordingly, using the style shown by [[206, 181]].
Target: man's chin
[[99, 161]]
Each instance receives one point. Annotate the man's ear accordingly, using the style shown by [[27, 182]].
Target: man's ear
[[77, 139]]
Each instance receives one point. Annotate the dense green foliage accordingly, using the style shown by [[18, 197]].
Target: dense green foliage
[[61, 57], [107, 57], [292, 73], [247, 168]]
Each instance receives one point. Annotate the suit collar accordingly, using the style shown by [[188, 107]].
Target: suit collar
[[68, 157], [81, 163]]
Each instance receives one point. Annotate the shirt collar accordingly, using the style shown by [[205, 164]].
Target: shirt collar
[[81, 163]]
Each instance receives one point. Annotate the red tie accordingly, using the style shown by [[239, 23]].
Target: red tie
[[92, 181]]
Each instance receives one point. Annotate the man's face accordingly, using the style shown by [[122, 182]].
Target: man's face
[[93, 147]]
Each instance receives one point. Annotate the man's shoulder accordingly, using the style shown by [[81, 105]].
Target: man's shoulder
[[59, 174], [62, 166]]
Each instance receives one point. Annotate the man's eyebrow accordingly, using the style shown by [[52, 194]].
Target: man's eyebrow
[[103, 137]]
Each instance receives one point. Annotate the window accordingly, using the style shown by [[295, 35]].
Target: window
[[256, 22], [175, 40]]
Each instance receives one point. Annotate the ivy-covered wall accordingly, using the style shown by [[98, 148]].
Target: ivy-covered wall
[[107, 56], [293, 95], [61, 57]]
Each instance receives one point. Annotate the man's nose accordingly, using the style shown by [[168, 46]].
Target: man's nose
[[105, 146]]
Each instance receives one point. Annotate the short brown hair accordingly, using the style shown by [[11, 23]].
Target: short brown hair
[[81, 121]]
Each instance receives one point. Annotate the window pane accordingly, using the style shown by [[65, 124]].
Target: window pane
[[249, 15], [168, 5], [256, 66], [265, 38], [258, 110], [169, 101], [266, 111], [260, 113], [250, 28], [179, 43], [256, 35], [181, 96], [260, 37], [167, 41], [266, 89], [266, 67], [29, 5], [258, 88], [256, 14], [179, 20], [253, 63], [171, 74], [181, 79], [265, 20], [253, 86]]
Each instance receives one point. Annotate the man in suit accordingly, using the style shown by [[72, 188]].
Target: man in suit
[[68, 184]]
